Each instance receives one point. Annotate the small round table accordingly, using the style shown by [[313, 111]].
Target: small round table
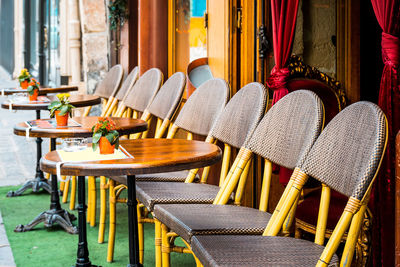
[[56, 214], [42, 91], [39, 181], [149, 156]]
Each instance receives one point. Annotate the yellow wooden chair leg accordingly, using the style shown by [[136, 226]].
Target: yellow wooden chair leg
[[111, 228], [92, 181], [89, 203], [62, 184], [140, 235], [86, 111], [73, 193], [165, 246], [103, 208], [65, 192], [289, 219], [353, 233], [157, 241]]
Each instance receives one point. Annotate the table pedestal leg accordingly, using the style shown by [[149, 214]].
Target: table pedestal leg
[[132, 221], [39, 181], [55, 214], [83, 252]]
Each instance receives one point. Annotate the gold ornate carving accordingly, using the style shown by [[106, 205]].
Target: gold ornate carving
[[298, 69]]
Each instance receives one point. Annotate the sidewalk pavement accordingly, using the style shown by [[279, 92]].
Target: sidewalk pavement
[[17, 159]]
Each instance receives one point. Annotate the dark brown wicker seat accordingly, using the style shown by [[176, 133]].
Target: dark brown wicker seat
[[345, 157], [284, 118], [256, 251]]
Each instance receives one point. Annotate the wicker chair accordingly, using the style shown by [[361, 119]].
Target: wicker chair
[[248, 105], [122, 93], [284, 136], [108, 87], [206, 104], [163, 107], [346, 157]]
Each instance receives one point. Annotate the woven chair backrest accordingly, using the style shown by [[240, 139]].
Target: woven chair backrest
[[203, 107], [289, 129], [348, 152], [127, 85], [109, 86], [144, 90], [241, 115], [168, 97]]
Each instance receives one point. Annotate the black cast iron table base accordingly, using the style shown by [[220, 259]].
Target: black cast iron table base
[[83, 251], [49, 218], [39, 181], [55, 214]]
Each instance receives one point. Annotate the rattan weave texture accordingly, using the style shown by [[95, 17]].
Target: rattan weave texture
[[111, 82], [144, 90], [152, 193], [283, 136], [349, 167], [226, 250], [178, 176], [203, 107], [205, 219], [127, 84], [167, 99], [241, 115]]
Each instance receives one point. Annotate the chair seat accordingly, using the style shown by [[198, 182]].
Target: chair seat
[[152, 193], [307, 210], [178, 176], [204, 219], [229, 250]]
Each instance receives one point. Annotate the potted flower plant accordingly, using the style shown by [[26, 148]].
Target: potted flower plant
[[105, 136], [24, 78], [33, 89], [61, 108]]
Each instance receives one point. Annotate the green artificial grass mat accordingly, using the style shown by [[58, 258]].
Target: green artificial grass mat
[[54, 247]]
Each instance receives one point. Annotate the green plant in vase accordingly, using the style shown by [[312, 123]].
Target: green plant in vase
[[60, 109], [33, 89], [24, 78], [105, 136]]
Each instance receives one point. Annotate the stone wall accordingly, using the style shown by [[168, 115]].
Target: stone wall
[[315, 28], [95, 37]]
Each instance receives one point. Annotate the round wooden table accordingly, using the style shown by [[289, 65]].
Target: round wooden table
[[39, 181], [149, 156], [42, 91], [56, 214]]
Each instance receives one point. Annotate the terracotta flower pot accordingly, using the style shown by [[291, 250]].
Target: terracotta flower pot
[[24, 84], [105, 146], [34, 96], [61, 120]]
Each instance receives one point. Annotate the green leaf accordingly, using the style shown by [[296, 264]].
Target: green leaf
[[94, 146], [54, 104], [96, 137], [63, 110], [110, 137], [117, 143]]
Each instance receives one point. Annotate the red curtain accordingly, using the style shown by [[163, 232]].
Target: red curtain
[[284, 13], [387, 13]]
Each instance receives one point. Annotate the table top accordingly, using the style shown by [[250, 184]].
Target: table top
[[123, 126], [75, 100], [149, 156], [42, 91]]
